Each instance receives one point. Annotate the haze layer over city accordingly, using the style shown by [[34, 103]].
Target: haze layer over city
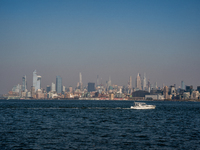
[[114, 39]]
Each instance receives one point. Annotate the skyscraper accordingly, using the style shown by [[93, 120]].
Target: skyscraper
[[38, 85], [58, 84], [24, 83], [130, 87], [91, 87], [130, 82], [148, 86], [36, 81], [198, 88], [165, 92], [48, 88], [80, 81], [32, 91], [182, 85], [63, 89], [53, 87], [138, 82], [144, 82]]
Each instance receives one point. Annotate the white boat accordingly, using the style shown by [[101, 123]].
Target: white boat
[[140, 105]]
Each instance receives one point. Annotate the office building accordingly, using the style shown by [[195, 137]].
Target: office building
[[182, 85], [48, 88], [165, 92], [91, 87], [189, 89], [80, 81], [144, 82], [38, 85], [33, 91], [109, 83], [172, 91], [36, 81], [58, 84], [138, 82], [130, 87], [24, 84], [70, 89], [63, 89], [39, 94], [53, 87], [130, 82], [198, 88]]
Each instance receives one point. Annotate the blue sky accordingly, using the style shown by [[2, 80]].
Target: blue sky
[[107, 38]]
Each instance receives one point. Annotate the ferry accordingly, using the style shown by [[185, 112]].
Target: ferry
[[140, 105]]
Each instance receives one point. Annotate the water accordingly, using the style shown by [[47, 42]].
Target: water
[[73, 124]]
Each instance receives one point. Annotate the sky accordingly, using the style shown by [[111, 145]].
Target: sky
[[116, 38]]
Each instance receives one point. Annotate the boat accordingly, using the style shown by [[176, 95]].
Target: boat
[[140, 105]]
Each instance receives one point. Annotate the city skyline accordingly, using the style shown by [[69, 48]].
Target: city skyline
[[105, 38], [109, 91], [140, 84]]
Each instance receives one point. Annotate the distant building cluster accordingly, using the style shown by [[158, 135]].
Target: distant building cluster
[[143, 90]]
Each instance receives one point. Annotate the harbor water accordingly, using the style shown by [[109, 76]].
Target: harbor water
[[82, 124]]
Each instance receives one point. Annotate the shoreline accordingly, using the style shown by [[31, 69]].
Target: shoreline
[[97, 99]]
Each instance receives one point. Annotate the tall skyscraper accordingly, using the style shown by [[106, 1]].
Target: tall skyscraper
[[182, 85], [80, 81], [130, 87], [36, 81], [58, 84], [38, 85], [138, 82], [53, 87], [148, 86], [34, 78], [130, 82], [144, 82], [24, 83]]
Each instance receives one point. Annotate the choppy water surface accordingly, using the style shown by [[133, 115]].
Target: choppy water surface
[[73, 124]]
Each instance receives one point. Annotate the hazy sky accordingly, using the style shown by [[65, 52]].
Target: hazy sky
[[116, 38]]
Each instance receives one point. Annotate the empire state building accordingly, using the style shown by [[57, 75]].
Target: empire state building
[[138, 82]]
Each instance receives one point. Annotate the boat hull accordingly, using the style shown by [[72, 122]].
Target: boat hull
[[151, 107], [140, 105]]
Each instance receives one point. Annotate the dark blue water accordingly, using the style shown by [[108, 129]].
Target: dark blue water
[[73, 124]]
